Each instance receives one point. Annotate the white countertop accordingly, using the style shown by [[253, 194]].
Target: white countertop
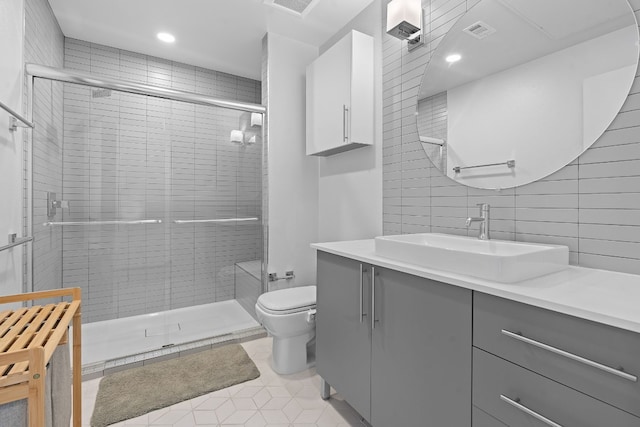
[[601, 296]]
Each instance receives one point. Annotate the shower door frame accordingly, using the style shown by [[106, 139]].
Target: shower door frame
[[34, 71]]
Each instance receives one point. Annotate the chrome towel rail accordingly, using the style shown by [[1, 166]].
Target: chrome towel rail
[[205, 221], [13, 121], [508, 163], [15, 241], [433, 141], [142, 221]]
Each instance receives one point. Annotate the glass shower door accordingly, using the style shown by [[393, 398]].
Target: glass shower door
[[159, 207]]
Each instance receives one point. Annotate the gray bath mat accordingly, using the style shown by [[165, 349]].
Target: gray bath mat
[[137, 391]]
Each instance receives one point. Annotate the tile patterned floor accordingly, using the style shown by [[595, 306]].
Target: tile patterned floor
[[271, 400]]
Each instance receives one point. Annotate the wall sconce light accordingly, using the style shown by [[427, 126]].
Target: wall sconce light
[[404, 21], [237, 136]]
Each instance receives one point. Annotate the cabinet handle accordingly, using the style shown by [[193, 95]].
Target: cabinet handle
[[373, 297], [345, 122], [618, 372], [362, 313], [516, 404]]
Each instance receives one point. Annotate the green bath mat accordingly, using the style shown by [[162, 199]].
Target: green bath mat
[[137, 391]]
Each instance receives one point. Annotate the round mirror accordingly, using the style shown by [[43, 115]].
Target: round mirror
[[517, 89]]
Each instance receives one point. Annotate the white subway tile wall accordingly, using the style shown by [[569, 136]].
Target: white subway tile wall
[[133, 157], [592, 205], [44, 44]]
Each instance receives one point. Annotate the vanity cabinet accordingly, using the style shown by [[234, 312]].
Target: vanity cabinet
[[339, 105], [397, 347]]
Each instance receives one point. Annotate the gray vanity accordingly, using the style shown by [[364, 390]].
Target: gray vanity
[[411, 346]]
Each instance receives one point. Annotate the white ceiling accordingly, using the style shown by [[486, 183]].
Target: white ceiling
[[223, 35]]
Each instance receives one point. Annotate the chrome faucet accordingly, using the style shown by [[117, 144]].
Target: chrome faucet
[[483, 219]]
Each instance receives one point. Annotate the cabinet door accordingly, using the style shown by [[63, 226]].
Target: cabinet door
[[343, 340], [328, 89], [421, 352]]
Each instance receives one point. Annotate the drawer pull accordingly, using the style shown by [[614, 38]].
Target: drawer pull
[[516, 404], [618, 372]]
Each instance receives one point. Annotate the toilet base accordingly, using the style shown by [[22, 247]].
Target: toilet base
[[290, 354]]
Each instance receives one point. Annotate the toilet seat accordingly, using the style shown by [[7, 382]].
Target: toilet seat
[[288, 301]]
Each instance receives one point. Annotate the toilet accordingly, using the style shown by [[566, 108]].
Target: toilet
[[289, 315]]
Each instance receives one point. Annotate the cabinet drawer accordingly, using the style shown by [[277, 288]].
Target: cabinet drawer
[[482, 419], [495, 381], [494, 318]]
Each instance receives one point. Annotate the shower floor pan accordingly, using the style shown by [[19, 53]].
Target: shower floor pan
[[112, 345]]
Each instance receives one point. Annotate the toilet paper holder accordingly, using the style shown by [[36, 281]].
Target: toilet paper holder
[[288, 275]]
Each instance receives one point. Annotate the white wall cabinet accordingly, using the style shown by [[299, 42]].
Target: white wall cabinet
[[340, 97]]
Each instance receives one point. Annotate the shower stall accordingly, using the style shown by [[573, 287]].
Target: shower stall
[[150, 200]]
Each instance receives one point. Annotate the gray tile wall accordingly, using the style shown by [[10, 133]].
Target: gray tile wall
[[131, 157], [433, 123], [44, 44], [592, 205]]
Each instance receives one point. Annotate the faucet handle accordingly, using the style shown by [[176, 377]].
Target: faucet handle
[[484, 209]]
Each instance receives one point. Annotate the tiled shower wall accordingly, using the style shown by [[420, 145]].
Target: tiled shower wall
[[132, 157], [44, 44], [592, 205]]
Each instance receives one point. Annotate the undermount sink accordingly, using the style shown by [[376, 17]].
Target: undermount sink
[[497, 260]]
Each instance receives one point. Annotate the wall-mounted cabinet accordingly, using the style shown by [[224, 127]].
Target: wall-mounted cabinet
[[340, 97]]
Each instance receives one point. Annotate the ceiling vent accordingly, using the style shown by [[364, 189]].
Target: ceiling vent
[[297, 7], [479, 30]]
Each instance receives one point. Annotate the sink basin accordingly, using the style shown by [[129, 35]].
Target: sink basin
[[497, 260]]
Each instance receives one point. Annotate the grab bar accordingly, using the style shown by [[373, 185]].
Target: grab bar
[[142, 221], [14, 241], [205, 221], [13, 121], [509, 163]]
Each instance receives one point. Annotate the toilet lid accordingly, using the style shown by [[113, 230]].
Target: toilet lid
[[289, 300]]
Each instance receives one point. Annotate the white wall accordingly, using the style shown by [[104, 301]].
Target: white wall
[[350, 183], [293, 177], [11, 144]]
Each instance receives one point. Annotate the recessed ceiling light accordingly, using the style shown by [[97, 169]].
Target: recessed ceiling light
[[166, 37], [453, 58]]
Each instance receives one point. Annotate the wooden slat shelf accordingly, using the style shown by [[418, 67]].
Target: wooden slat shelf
[[28, 338]]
